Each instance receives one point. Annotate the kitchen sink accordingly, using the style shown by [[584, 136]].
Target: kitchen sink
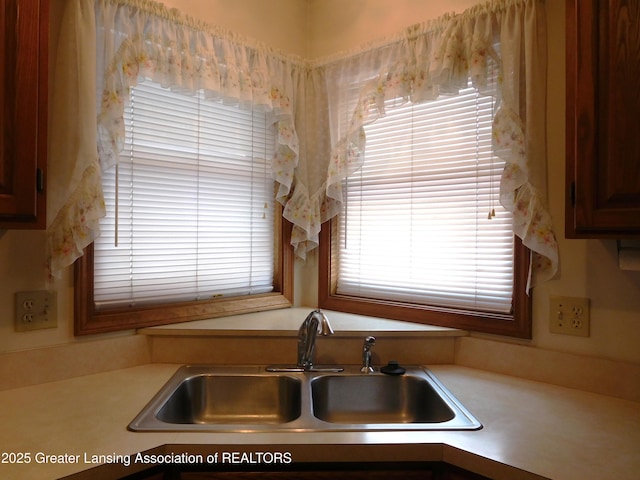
[[252, 399]]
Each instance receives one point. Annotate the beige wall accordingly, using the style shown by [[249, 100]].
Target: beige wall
[[317, 28], [339, 25], [589, 268], [281, 24]]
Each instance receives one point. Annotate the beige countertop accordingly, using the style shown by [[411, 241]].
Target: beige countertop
[[531, 430]]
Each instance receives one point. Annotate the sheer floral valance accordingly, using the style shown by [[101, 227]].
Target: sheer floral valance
[[144, 40], [136, 40], [438, 58]]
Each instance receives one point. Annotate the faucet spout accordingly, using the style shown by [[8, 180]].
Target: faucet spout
[[315, 323]]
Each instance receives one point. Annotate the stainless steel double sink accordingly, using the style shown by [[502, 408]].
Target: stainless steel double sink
[[251, 399]]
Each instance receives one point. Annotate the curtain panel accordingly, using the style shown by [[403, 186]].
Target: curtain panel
[[438, 58], [107, 46]]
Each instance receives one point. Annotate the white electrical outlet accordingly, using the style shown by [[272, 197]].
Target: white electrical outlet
[[569, 316], [35, 310]]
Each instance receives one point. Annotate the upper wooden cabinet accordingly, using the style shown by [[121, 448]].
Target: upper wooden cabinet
[[24, 27], [603, 119]]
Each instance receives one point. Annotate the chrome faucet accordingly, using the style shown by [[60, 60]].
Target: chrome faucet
[[366, 354], [316, 322]]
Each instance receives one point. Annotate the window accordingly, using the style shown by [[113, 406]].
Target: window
[[422, 236], [192, 228]]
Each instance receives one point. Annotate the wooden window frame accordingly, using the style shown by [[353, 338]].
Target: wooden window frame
[[518, 323], [88, 320]]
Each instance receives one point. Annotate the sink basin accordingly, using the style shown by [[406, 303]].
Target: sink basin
[[377, 399], [237, 399], [252, 399], [222, 399]]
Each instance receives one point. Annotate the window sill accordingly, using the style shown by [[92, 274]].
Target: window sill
[[286, 322]]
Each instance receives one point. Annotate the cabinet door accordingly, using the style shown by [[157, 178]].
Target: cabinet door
[[603, 119], [23, 112]]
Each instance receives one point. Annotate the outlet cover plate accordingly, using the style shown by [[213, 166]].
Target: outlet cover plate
[[35, 310], [569, 316]]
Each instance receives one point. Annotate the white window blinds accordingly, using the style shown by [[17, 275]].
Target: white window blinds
[[190, 206], [415, 227]]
